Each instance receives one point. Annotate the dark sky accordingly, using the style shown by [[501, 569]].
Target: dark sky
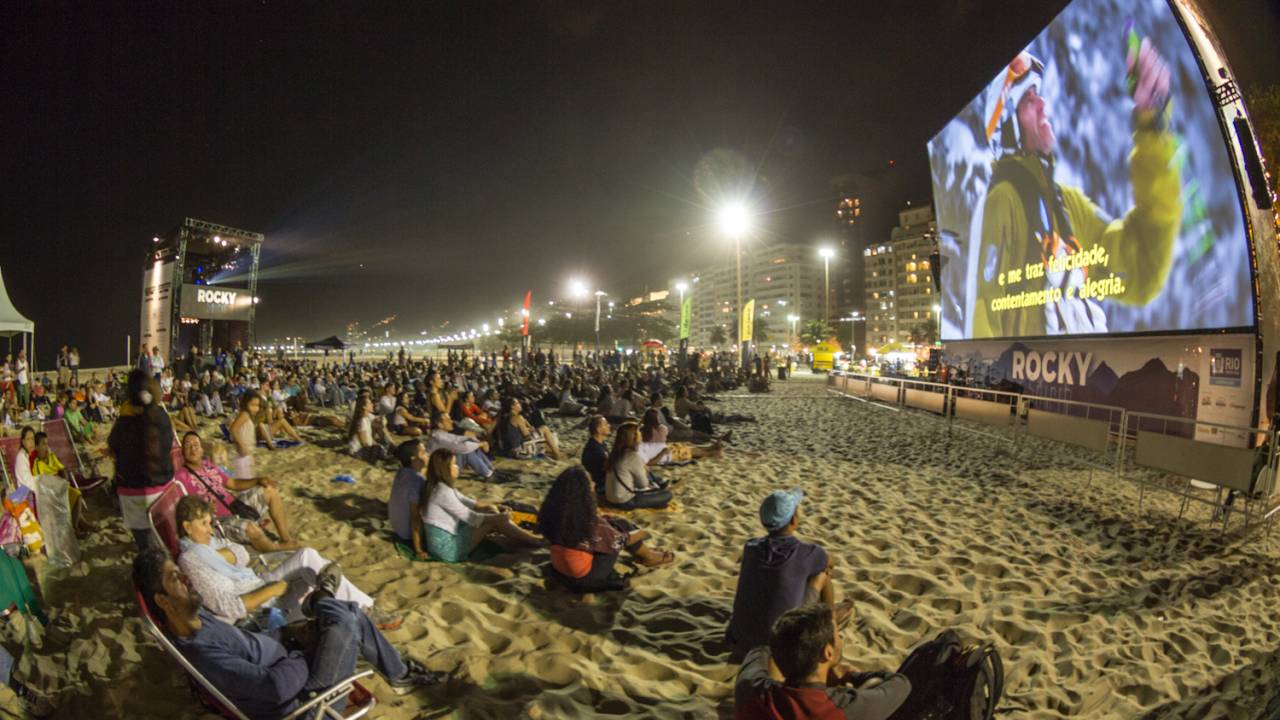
[[464, 152]]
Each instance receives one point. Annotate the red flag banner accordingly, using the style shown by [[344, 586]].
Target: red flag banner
[[524, 314]]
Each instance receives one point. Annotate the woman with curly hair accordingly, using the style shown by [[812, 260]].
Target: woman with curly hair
[[585, 544]]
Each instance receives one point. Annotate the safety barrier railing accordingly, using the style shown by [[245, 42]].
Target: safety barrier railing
[[1232, 471], [1116, 435], [1090, 426]]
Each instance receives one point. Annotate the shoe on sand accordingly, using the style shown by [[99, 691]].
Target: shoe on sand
[[329, 578], [416, 676]]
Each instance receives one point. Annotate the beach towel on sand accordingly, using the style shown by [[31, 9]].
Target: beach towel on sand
[[486, 550]]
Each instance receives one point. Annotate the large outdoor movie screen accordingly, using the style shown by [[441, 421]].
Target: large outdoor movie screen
[[1088, 189]]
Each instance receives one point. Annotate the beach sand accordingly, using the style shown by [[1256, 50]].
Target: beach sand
[[1097, 611]]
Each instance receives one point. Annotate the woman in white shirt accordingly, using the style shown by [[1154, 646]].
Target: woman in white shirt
[[367, 439], [627, 481], [455, 523]]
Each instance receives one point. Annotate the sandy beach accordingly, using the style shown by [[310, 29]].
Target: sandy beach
[[1098, 612]]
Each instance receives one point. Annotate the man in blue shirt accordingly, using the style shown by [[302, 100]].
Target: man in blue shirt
[[404, 507], [255, 671]]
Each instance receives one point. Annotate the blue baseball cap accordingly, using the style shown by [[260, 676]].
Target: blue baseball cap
[[778, 509]]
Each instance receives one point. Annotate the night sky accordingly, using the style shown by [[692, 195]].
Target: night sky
[[465, 152]]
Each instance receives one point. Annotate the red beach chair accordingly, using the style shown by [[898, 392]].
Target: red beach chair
[[83, 475], [361, 701], [160, 515]]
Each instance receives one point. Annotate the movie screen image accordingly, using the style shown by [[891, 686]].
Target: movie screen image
[[1088, 191]]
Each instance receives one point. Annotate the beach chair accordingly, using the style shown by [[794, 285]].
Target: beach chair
[[84, 475], [160, 515], [321, 706], [9, 449]]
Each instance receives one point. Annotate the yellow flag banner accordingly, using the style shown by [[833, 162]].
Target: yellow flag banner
[[745, 321]]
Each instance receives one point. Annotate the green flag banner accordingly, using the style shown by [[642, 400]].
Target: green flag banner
[[686, 315]]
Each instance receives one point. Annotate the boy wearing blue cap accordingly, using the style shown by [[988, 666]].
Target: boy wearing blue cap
[[779, 572]]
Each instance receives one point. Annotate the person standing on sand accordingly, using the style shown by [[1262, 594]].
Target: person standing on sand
[[141, 442], [806, 647], [779, 572]]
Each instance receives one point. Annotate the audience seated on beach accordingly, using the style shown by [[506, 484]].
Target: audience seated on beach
[[595, 455], [204, 479], [406, 504], [616, 408], [678, 430], [386, 401], [182, 415], [655, 450], [515, 437], [82, 428], [481, 420], [45, 463], [367, 438], [628, 484], [219, 571], [469, 450], [403, 422], [256, 671], [779, 572], [455, 523], [585, 544], [271, 419], [805, 646]]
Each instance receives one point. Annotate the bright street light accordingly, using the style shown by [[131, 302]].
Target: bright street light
[[682, 286], [734, 219], [827, 253], [577, 288]]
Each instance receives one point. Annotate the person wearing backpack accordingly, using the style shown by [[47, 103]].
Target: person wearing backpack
[[806, 648]]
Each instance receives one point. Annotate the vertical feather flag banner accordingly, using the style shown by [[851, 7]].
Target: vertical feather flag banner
[[524, 319]]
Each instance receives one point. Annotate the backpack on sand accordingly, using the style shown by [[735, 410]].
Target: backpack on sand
[[951, 681]]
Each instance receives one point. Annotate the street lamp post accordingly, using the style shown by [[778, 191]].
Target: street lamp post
[[599, 294], [793, 319], [683, 339], [826, 253], [735, 220]]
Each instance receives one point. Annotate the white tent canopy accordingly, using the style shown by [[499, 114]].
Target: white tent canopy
[[12, 322]]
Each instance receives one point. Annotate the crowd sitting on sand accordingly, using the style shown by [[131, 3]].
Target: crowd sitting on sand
[[271, 636]]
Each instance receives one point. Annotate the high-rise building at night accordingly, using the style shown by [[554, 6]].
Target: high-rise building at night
[[847, 290], [783, 278], [898, 279]]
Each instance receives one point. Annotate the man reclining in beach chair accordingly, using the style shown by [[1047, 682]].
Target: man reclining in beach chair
[[219, 570], [805, 647], [261, 675], [779, 572]]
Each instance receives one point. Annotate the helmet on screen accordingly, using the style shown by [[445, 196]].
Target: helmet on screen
[[1025, 72]]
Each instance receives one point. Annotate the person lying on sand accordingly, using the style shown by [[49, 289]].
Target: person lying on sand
[[585, 544], [655, 449], [219, 570], [205, 479], [805, 647], [255, 671], [779, 572], [456, 524]]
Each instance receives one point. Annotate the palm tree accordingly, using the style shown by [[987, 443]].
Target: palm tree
[[926, 333], [717, 335], [760, 329], [815, 331]]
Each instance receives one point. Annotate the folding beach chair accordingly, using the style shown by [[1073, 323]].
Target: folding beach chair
[[361, 700], [81, 474], [9, 449], [160, 515]]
